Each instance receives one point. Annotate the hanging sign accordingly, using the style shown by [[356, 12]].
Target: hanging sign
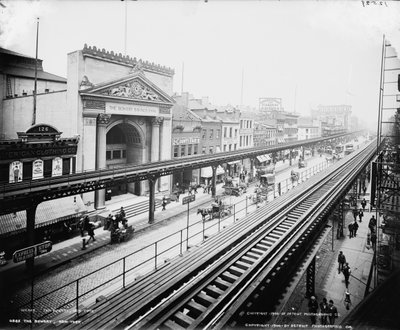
[[57, 166], [37, 169], [15, 172]]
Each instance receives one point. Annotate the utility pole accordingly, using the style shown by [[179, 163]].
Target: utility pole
[[35, 85]]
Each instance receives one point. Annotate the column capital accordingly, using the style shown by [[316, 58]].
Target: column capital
[[157, 121], [103, 119]]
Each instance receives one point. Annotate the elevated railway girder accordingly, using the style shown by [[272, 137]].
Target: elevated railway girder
[[18, 196]]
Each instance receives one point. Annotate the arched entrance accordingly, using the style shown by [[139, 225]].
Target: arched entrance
[[124, 145]]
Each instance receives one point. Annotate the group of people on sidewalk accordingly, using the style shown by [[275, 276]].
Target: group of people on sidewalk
[[327, 311]]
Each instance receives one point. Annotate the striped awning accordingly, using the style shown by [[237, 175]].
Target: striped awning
[[263, 158], [206, 172], [47, 213]]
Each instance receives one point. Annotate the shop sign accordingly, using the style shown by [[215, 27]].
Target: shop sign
[[188, 199], [57, 166], [32, 251], [37, 169], [185, 140], [39, 152], [15, 172]]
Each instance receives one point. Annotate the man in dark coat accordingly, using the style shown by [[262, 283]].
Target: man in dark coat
[[313, 309], [341, 260], [351, 230], [363, 204], [360, 214], [355, 228], [324, 310], [333, 314], [346, 273]]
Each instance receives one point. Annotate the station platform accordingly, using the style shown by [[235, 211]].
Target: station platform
[[329, 283]]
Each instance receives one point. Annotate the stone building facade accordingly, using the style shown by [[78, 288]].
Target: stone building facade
[[121, 108]]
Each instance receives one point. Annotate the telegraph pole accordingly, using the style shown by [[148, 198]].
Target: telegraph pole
[[35, 86]]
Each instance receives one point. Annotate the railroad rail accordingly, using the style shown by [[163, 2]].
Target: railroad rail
[[77, 183], [208, 286]]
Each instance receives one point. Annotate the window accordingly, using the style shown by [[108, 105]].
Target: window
[[211, 150], [235, 146], [230, 131], [203, 150], [123, 153], [116, 154], [195, 149], [224, 147], [183, 149], [240, 143], [241, 124], [230, 147], [176, 151], [236, 132], [204, 134], [108, 155], [211, 134], [218, 134], [189, 149], [225, 131]]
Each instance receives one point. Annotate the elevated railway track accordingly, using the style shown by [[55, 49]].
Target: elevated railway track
[[215, 283], [20, 195]]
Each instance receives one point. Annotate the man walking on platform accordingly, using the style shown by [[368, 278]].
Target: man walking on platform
[[333, 314], [363, 204], [350, 230], [360, 214], [355, 228], [346, 273], [324, 310], [355, 213], [313, 309], [372, 224], [341, 261]]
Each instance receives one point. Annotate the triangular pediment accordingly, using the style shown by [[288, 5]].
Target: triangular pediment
[[134, 87]]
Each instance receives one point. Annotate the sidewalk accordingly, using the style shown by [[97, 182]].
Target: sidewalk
[[329, 283]]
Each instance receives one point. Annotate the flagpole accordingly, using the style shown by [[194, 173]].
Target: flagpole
[[241, 92], [35, 85], [126, 26], [183, 69]]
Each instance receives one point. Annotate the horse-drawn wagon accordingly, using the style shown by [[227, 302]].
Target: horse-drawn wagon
[[234, 189], [217, 209]]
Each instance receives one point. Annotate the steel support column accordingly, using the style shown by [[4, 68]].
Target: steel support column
[[290, 157], [30, 230], [214, 181], [310, 279], [152, 204]]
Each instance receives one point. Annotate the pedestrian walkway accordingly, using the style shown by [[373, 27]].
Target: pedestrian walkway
[[329, 283]]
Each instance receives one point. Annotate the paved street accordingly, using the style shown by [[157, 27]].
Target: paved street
[[171, 238]]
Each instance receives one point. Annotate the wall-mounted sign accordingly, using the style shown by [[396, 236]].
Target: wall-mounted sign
[[37, 169], [185, 140], [42, 129], [15, 172], [39, 152], [32, 251], [57, 166], [131, 109]]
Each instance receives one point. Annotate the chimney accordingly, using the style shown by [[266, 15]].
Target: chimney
[[185, 99]]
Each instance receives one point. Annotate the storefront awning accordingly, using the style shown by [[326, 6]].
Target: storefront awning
[[47, 213], [263, 158], [206, 172]]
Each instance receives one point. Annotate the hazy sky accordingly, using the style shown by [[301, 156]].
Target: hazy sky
[[305, 52]]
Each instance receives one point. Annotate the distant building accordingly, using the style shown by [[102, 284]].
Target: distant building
[[334, 119], [264, 135], [308, 128]]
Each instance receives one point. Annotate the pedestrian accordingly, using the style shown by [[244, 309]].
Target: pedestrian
[[80, 226], [313, 309], [360, 214], [364, 189], [324, 310], [86, 223], [177, 196], [90, 230], [341, 260], [363, 204], [373, 240], [372, 224], [346, 273], [355, 213], [350, 230], [122, 212], [333, 314], [164, 203], [355, 228]]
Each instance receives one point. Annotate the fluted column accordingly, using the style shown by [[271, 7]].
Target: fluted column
[[155, 138], [101, 133]]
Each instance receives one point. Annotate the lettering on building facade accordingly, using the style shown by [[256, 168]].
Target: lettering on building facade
[[185, 140], [131, 109]]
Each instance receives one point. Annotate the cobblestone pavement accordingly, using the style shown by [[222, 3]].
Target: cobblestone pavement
[[102, 257]]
